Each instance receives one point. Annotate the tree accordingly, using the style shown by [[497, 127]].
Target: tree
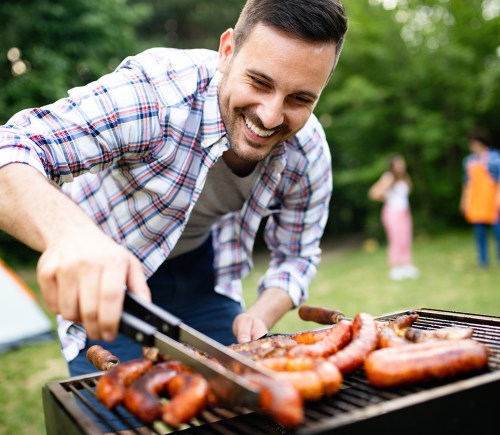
[[414, 77], [48, 47]]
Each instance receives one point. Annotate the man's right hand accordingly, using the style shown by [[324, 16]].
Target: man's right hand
[[82, 272], [83, 277]]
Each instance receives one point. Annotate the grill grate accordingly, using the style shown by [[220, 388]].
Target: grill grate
[[357, 408]]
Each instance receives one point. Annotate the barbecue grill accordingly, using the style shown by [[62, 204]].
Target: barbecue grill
[[458, 404]]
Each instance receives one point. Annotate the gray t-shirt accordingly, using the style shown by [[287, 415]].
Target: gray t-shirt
[[224, 192]]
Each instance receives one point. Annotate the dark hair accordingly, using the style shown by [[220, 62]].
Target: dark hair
[[311, 20], [481, 135]]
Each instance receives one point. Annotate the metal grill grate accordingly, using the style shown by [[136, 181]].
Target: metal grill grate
[[358, 408]]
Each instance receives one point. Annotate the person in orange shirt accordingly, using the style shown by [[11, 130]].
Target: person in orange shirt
[[480, 200]]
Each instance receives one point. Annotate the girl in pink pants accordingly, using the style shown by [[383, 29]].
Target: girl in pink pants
[[393, 189]]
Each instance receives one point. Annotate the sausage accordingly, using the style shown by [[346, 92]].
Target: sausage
[[448, 333], [280, 400], [285, 363], [365, 340], [424, 362], [113, 383], [189, 394], [142, 397], [401, 323], [336, 338], [312, 377], [310, 337], [388, 337], [324, 316], [101, 358]]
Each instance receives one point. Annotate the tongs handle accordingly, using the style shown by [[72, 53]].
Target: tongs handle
[[141, 320], [324, 316]]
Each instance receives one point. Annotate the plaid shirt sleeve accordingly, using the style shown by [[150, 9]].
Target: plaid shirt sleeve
[[94, 127]]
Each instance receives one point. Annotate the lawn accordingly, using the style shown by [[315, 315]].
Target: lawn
[[352, 278]]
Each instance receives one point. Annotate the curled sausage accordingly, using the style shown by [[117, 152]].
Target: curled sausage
[[189, 394], [142, 397], [337, 337], [424, 362], [365, 340], [101, 358], [112, 384]]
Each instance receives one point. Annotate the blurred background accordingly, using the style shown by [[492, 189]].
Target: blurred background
[[414, 78]]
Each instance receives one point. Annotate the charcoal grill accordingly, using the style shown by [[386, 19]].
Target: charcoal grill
[[457, 405]]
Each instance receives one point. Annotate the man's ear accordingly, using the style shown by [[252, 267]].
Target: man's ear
[[226, 49]]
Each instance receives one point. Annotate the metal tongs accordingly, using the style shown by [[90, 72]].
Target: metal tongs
[[150, 325]]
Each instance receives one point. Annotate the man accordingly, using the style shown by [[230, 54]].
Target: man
[[168, 166], [480, 200]]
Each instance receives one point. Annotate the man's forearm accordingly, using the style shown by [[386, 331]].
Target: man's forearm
[[34, 211], [272, 304]]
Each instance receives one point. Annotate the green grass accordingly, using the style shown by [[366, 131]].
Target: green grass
[[350, 278]]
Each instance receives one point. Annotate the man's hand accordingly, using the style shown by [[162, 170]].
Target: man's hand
[[82, 272], [272, 304], [83, 277], [247, 327]]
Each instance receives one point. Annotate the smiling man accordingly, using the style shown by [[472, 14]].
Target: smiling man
[[156, 177]]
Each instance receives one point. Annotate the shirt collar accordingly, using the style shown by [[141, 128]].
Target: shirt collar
[[212, 126]]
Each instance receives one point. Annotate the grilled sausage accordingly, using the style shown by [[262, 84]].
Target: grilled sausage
[[388, 337], [310, 337], [113, 383], [312, 377], [280, 400], [142, 397], [365, 340], [448, 333], [101, 358], [424, 362], [189, 394], [400, 324], [336, 338]]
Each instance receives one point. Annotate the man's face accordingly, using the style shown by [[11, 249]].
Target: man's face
[[269, 88]]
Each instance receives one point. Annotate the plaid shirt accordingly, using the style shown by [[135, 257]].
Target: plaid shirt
[[133, 150]]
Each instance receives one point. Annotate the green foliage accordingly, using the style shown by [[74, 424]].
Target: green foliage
[[414, 80], [61, 44], [188, 23]]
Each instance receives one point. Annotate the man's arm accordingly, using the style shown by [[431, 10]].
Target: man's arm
[[82, 272], [271, 305]]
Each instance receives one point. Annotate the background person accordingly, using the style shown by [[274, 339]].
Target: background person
[[480, 199], [393, 190], [169, 165]]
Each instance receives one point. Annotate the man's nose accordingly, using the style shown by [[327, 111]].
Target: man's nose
[[272, 112]]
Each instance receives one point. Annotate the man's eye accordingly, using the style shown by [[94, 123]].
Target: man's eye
[[260, 83], [302, 100]]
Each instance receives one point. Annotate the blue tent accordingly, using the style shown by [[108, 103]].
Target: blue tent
[[22, 320]]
